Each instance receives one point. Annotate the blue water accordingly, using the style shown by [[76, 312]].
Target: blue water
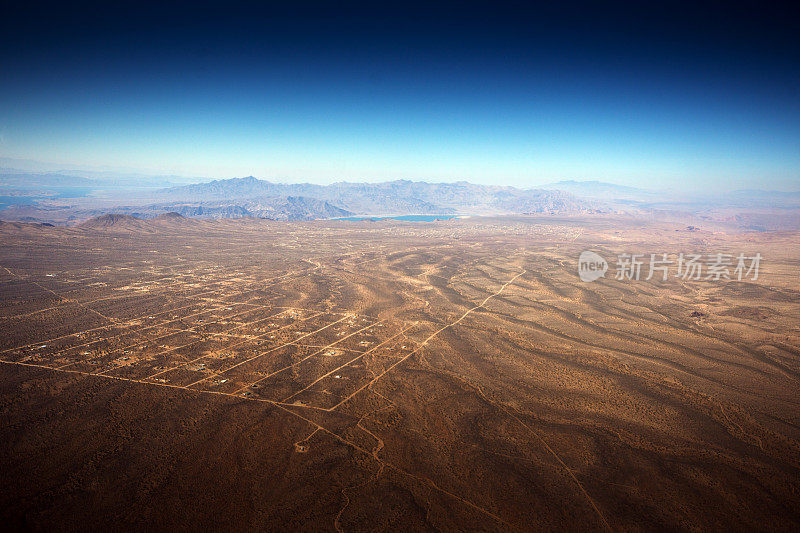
[[60, 192], [7, 201], [407, 218], [72, 192]]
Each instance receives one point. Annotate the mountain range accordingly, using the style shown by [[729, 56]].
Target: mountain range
[[62, 198], [389, 198]]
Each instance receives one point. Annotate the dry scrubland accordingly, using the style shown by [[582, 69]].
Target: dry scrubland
[[368, 376]]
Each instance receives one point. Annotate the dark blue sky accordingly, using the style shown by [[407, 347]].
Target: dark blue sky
[[679, 94]]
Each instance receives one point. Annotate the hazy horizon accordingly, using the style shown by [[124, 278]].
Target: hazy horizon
[[154, 178], [522, 96]]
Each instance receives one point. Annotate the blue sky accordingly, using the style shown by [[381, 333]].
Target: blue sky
[[518, 97]]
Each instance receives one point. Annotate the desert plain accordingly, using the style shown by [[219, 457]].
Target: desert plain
[[185, 374]]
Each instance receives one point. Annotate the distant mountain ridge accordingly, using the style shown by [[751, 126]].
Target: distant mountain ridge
[[388, 198], [600, 190], [275, 208], [292, 208]]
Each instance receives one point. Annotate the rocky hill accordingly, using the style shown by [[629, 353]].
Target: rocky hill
[[112, 220]]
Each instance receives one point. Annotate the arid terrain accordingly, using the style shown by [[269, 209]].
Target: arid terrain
[[183, 374]]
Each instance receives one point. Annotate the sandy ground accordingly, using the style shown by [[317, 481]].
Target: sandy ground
[[379, 375]]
